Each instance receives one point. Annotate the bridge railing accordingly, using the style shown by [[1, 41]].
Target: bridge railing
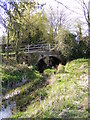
[[40, 47], [31, 48]]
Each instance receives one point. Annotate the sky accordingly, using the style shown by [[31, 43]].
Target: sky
[[75, 13]]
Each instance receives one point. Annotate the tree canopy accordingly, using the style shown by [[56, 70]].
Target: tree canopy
[[66, 42], [26, 24]]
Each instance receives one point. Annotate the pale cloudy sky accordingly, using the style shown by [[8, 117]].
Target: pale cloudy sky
[[72, 4], [75, 12]]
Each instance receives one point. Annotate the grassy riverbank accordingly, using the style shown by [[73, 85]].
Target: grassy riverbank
[[62, 93]]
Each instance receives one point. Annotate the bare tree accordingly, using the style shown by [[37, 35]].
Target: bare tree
[[84, 7], [57, 19], [89, 17]]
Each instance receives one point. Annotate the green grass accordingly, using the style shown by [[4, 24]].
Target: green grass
[[49, 72], [14, 73], [65, 95]]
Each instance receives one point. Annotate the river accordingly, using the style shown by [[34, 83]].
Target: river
[[8, 111]]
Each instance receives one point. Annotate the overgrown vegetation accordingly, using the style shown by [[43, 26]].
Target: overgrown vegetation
[[61, 94], [14, 75], [69, 47]]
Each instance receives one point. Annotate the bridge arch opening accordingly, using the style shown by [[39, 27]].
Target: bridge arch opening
[[53, 62]]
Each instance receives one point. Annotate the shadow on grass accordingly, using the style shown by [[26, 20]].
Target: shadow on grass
[[75, 115]]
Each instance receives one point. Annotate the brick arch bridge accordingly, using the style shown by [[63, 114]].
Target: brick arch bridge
[[43, 55], [37, 52]]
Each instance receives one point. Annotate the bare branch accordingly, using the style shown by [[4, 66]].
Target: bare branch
[[85, 5], [66, 6], [84, 11], [62, 4]]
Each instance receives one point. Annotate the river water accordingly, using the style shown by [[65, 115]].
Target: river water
[[7, 112]]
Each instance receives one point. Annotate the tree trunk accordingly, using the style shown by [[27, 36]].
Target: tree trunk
[[7, 46], [89, 29], [17, 57], [17, 46], [16, 54], [89, 18]]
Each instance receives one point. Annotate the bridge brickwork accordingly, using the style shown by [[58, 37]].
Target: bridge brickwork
[[35, 52], [41, 51]]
